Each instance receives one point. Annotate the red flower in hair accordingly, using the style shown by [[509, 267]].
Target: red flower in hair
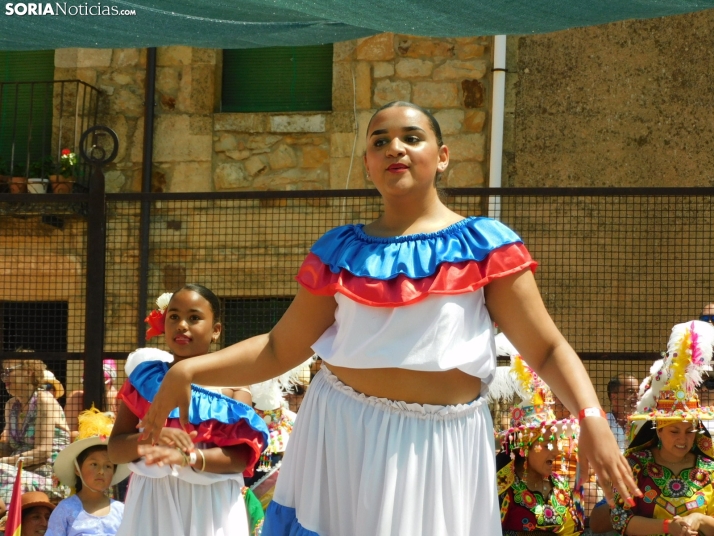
[[156, 320], [65, 152]]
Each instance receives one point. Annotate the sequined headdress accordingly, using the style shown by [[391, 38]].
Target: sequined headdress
[[533, 423], [671, 395]]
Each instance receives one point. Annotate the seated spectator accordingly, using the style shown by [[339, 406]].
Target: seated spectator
[[35, 429], [707, 313], [671, 453], [622, 393], [75, 400], [85, 466]]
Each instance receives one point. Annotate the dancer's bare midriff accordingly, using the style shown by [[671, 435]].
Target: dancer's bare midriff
[[440, 388]]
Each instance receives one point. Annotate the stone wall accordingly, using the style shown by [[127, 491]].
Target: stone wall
[[623, 104], [324, 150]]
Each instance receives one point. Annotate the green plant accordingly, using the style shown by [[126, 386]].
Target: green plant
[[42, 167]]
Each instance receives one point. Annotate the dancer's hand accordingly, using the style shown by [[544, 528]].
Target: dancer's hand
[[695, 523], [173, 437], [174, 392], [598, 449], [161, 455]]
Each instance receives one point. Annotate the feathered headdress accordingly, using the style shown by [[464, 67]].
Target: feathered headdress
[[671, 395], [533, 423]]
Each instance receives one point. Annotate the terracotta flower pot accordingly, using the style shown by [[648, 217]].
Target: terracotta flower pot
[[60, 184], [18, 185]]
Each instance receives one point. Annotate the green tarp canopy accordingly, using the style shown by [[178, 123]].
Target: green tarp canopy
[[258, 23]]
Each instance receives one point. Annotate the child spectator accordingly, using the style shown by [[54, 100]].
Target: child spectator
[[85, 466]]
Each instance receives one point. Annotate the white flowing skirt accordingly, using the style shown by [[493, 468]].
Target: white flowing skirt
[[170, 505], [365, 466]]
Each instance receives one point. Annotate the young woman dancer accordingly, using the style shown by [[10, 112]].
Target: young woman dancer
[[393, 437]]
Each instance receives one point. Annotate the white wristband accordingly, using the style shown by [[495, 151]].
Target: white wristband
[[192, 458]]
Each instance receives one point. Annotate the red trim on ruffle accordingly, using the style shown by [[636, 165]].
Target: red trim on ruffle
[[450, 278], [211, 431]]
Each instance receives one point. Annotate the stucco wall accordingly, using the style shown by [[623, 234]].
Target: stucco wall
[[623, 104]]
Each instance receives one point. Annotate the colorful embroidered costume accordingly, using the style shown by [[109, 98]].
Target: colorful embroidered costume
[[665, 494], [669, 397], [193, 502], [360, 465], [523, 510]]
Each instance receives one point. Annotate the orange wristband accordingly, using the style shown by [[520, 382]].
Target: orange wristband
[[591, 412], [665, 525]]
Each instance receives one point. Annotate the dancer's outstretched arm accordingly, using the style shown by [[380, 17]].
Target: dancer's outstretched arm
[[515, 304]]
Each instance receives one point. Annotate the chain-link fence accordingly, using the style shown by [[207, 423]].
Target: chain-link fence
[[617, 268]]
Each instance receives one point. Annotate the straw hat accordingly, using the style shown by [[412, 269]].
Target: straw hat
[[94, 429], [35, 498], [533, 423]]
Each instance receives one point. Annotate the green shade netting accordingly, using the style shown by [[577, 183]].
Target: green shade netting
[[258, 23]]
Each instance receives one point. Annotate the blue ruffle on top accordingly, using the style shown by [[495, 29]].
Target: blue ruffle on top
[[205, 405], [416, 256]]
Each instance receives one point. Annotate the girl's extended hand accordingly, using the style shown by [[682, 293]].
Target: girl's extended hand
[[173, 437], [161, 455], [174, 392], [598, 449], [684, 526], [696, 523]]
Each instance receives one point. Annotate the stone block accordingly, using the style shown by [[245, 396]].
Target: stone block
[[382, 69], [128, 103], [122, 79], [167, 80], [436, 94], [342, 50], [465, 175], [387, 91], [341, 144], [238, 155], [191, 177], [94, 57], [282, 157], [125, 57], [137, 142], [470, 51], [425, 48], [467, 147], [240, 122], [289, 179], [203, 88], [339, 169], [363, 82], [229, 176], [450, 121], [66, 58], [87, 74], [297, 123], [262, 142], [313, 156], [256, 165], [457, 70], [119, 125], [414, 68], [474, 93], [114, 181], [225, 142], [173, 55], [203, 55], [379, 47], [342, 91], [474, 120], [180, 138], [184, 103]]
